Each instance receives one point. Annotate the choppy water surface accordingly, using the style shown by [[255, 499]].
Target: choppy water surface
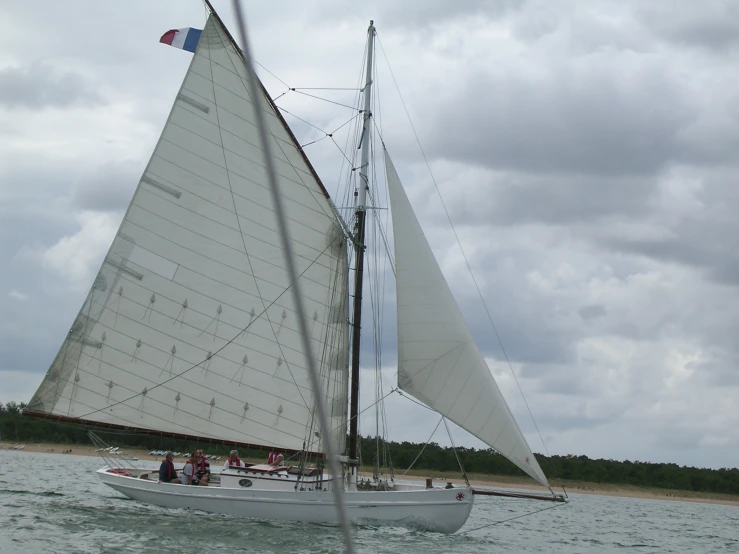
[[55, 503]]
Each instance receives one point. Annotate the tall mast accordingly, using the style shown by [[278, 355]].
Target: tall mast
[[361, 204]]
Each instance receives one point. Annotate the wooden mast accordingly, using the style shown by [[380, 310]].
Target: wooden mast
[[361, 203]]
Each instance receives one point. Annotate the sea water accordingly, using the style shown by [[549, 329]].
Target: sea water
[[55, 503]]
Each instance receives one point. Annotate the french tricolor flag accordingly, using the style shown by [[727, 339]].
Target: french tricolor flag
[[187, 39]]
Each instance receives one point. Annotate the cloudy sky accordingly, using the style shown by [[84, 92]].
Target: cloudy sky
[[585, 152]]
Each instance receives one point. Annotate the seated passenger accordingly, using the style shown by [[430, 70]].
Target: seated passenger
[[233, 460], [276, 459], [167, 472], [189, 472], [202, 468]]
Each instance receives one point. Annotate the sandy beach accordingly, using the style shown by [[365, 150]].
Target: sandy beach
[[487, 481]]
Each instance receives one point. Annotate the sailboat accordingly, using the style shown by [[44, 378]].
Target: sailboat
[[189, 329]]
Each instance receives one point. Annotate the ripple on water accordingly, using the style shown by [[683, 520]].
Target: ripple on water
[[11, 492]]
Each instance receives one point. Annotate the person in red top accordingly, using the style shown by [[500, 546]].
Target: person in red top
[[167, 472], [233, 460], [276, 459], [202, 467]]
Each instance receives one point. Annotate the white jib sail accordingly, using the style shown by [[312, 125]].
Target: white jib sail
[[439, 362], [190, 326]]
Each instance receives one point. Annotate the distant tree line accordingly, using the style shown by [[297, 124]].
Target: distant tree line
[[17, 429], [14, 428], [571, 468]]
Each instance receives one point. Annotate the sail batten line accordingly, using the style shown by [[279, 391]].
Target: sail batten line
[[118, 416], [205, 296], [204, 403], [270, 430], [256, 203], [197, 155], [225, 89], [198, 384], [221, 86], [218, 242], [237, 329], [241, 197], [233, 136], [172, 337], [235, 116], [211, 371], [167, 315], [219, 262], [303, 257], [237, 137], [199, 215]]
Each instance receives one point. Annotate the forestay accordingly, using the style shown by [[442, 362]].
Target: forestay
[[190, 326], [439, 362]]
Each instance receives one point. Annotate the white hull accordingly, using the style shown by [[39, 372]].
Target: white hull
[[437, 509]]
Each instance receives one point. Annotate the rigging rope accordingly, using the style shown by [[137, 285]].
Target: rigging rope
[[454, 449], [268, 71], [294, 278], [322, 88], [326, 100], [431, 436], [511, 518]]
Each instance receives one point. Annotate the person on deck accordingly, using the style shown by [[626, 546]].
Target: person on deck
[[233, 460], [189, 472], [202, 467], [276, 459], [167, 472]]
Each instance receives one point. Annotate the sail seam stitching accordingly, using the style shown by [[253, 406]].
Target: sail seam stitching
[[205, 403], [132, 223], [210, 239], [159, 155], [118, 416], [106, 308]]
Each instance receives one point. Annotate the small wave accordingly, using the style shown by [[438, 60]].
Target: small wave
[[33, 493]]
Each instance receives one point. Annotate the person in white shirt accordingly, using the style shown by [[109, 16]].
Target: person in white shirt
[[233, 460], [189, 472]]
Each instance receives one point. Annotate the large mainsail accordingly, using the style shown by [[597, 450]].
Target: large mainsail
[[439, 362], [190, 326]]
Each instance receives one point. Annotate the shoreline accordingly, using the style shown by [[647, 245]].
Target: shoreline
[[476, 480]]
